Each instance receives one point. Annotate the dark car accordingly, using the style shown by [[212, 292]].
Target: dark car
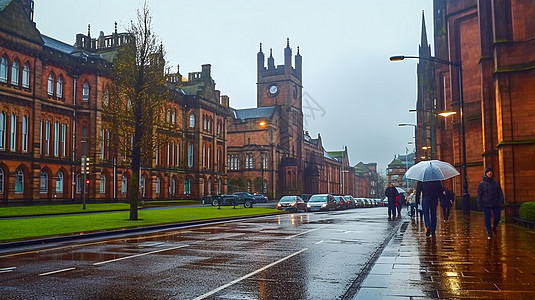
[[232, 200], [291, 203], [340, 202], [244, 196], [351, 202], [260, 198], [321, 202]]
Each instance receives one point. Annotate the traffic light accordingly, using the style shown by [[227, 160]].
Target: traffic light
[[87, 181], [87, 166], [83, 164]]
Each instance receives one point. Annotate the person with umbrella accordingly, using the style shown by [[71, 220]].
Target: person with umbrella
[[391, 193], [490, 199], [429, 174]]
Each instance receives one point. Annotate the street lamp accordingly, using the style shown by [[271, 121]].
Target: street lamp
[[466, 195]]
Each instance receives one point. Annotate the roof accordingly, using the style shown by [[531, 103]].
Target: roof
[[326, 155], [254, 113], [396, 161], [57, 45], [336, 154], [15, 21], [4, 3]]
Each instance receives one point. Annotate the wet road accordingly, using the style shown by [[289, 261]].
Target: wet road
[[291, 256]]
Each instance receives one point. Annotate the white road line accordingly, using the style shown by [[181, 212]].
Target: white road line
[[316, 243], [305, 232], [57, 271], [8, 269], [248, 275], [137, 255]]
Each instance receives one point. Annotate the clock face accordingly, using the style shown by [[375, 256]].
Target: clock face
[[273, 89]]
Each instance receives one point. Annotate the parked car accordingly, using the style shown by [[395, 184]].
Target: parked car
[[350, 201], [359, 202], [291, 203], [321, 202], [305, 197], [340, 202], [226, 200], [385, 201], [260, 198], [243, 196]]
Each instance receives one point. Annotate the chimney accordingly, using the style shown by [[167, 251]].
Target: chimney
[[225, 100], [206, 71]]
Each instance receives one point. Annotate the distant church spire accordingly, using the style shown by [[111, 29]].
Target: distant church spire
[[425, 48]]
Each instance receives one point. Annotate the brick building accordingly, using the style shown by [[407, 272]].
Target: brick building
[[53, 98], [494, 42]]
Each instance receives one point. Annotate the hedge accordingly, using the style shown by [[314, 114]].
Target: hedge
[[527, 211]]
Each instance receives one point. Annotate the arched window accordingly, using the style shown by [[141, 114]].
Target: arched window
[[173, 186], [1, 181], [59, 87], [85, 92], [219, 186], [26, 76], [15, 73], [191, 120], [157, 185], [3, 69], [142, 185], [102, 183], [2, 129], [124, 183], [249, 186], [43, 182], [190, 155], [59, 182], [19, 181], [50, 86], [173, 117], [106, 96], [187, 186]]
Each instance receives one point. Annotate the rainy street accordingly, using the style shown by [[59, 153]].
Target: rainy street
[[291, 256]]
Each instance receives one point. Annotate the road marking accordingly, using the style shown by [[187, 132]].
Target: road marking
[[137, 255], [8, 269], [57, 271], [304, 232], [317, 243], [210, 293]]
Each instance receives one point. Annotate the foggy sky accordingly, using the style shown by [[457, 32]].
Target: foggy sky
[[353, 95]]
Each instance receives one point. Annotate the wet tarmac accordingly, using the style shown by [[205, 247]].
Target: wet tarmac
[[460, 262]]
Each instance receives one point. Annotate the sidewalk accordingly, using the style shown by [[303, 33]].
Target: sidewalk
[[458, 263]]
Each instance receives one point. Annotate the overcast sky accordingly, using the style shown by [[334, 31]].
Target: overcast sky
[[353, 95]]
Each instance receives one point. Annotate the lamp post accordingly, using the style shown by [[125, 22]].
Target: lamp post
[[466, 195]]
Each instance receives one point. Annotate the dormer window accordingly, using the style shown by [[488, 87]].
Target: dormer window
[[3, 69], [191, 120], [15, 73], [26, 76], [50, 86], [59, 87]]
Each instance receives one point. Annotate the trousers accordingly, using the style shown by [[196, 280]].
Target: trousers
[[429, 207]]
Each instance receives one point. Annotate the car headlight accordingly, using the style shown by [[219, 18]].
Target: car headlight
[[293, 204], [324, 205], [308, 205]]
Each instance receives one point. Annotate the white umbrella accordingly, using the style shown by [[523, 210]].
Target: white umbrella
[[431, 170], [400, 190]]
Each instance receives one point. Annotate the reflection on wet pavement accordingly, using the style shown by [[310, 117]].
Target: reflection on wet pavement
[[459, 263]]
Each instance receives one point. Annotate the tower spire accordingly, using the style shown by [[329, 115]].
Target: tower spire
[[425, 48]]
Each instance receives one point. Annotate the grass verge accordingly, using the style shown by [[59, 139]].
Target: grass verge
[[32, 228], [39, 210]]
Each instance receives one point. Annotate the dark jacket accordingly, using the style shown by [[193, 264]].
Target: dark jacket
[[446, 198], [489, 193], [391, 193], [429, 190]]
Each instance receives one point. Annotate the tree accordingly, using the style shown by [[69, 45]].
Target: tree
[[139, 94]]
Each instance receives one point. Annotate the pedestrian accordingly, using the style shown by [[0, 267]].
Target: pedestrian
[[391, 193], [400, 203], [446, 202], [490, 199], [411, 199], [430, 192]]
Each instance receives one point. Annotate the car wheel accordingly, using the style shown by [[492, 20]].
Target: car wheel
[[215, 203], [248, 204]]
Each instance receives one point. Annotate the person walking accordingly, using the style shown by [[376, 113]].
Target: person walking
[[446, 202], [430, 192], [391, 192], [411, 199], [490, 199], [400, 203]]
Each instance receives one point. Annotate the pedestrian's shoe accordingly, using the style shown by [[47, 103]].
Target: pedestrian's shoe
[[489, 236], [427, 232], [495, 229]]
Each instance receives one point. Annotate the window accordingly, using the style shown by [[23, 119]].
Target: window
[[1, 181], [106, 96], [142, 185], [168, 154], [173, 186], [168, 116], [264, 161], [203, 156], [19, 181], [102, 143], [187, 186], [78, 184], [47, 137], [219, 186], [63, 135], [173, 117], [102, 183], [191, 120], [177, 154], [59, 182], [13, 132], [124, 183], [2, 129], [15, 73], [249, 161], [85, 92], [233, 162], [25, 133], [59, 87], [50, 86], [3, 69], [157, 185], [43, 182], [26, 76], [190, 155], [56, 139]]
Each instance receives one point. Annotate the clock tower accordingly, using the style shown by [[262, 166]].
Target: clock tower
[[281, 87]]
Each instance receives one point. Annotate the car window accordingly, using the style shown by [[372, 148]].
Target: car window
[[318, 199]]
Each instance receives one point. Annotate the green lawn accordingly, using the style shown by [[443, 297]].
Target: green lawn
[[36, 210], [31, 228]]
